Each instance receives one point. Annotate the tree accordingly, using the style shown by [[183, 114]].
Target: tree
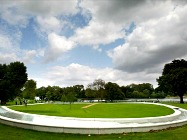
[[71, 97], [127, 91], [79, 90], [29, 91], [96, 89], [174, 78], [49, 95], [143, 90], [113, 92], [63, 98], [12, 79], [41, 92], [57, 93], [99, 86], [90, 93]]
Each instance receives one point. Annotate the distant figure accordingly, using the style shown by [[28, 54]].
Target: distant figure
[[25, 102], [157, 101]]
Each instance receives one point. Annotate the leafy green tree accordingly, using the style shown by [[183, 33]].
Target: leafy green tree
[[71, 97], [146, 93], [144, 86], [90, 93], [135, 94], [127, 91], [143, 90], [158, 95], [41, 92], [96, 89], [70, 94], [174, 78], [64, 98], [57, 93], [12, 79], [79, 91], [99, 86], [49, 95], [113, 92], [29, 91]]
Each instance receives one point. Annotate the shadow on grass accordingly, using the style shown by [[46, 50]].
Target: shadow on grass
[[41, 112]]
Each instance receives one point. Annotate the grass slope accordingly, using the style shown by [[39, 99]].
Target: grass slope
[[97, 111]]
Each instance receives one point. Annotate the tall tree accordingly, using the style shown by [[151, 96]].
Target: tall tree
[[99, 86], [57, 93], [29, 91], [41, 92], [90, 93], [79, 90], [174, 78], [96, 89], [12, 79], [113, 92]]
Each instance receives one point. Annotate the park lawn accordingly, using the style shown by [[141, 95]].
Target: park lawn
[[8, 132], [14, 133], [126, 110], [177, 104]]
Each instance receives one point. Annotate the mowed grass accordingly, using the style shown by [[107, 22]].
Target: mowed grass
[[177, 104], [14, 133], [126, 110], [8, 132]]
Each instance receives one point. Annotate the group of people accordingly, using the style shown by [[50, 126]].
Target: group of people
[[24, 101]]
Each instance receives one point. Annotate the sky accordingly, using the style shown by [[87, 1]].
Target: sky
[[69, 42]]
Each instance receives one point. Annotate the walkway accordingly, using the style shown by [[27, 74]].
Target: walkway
[[89, 105], [92, 125]]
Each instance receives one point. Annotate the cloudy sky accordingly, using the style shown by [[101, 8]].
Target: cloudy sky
[[68, 42]]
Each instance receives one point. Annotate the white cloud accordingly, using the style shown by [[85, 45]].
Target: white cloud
[[5, 42], [41, 81], [49, 24], [17, 12], [15, 19], [10, 51], [79, 74], [96, 34], [121, 12], [50, 8], [153, 42], [47, 21], [110, 18], [7, 58], [160, 36], [28, 56], [10, 13], [57, 46]]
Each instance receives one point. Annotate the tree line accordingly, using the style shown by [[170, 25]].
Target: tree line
[[14, 83], [98, 90]]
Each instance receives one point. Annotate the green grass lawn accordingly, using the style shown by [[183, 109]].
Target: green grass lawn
[[177, 104], [97, 111], [13, 133], [8, 132]]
